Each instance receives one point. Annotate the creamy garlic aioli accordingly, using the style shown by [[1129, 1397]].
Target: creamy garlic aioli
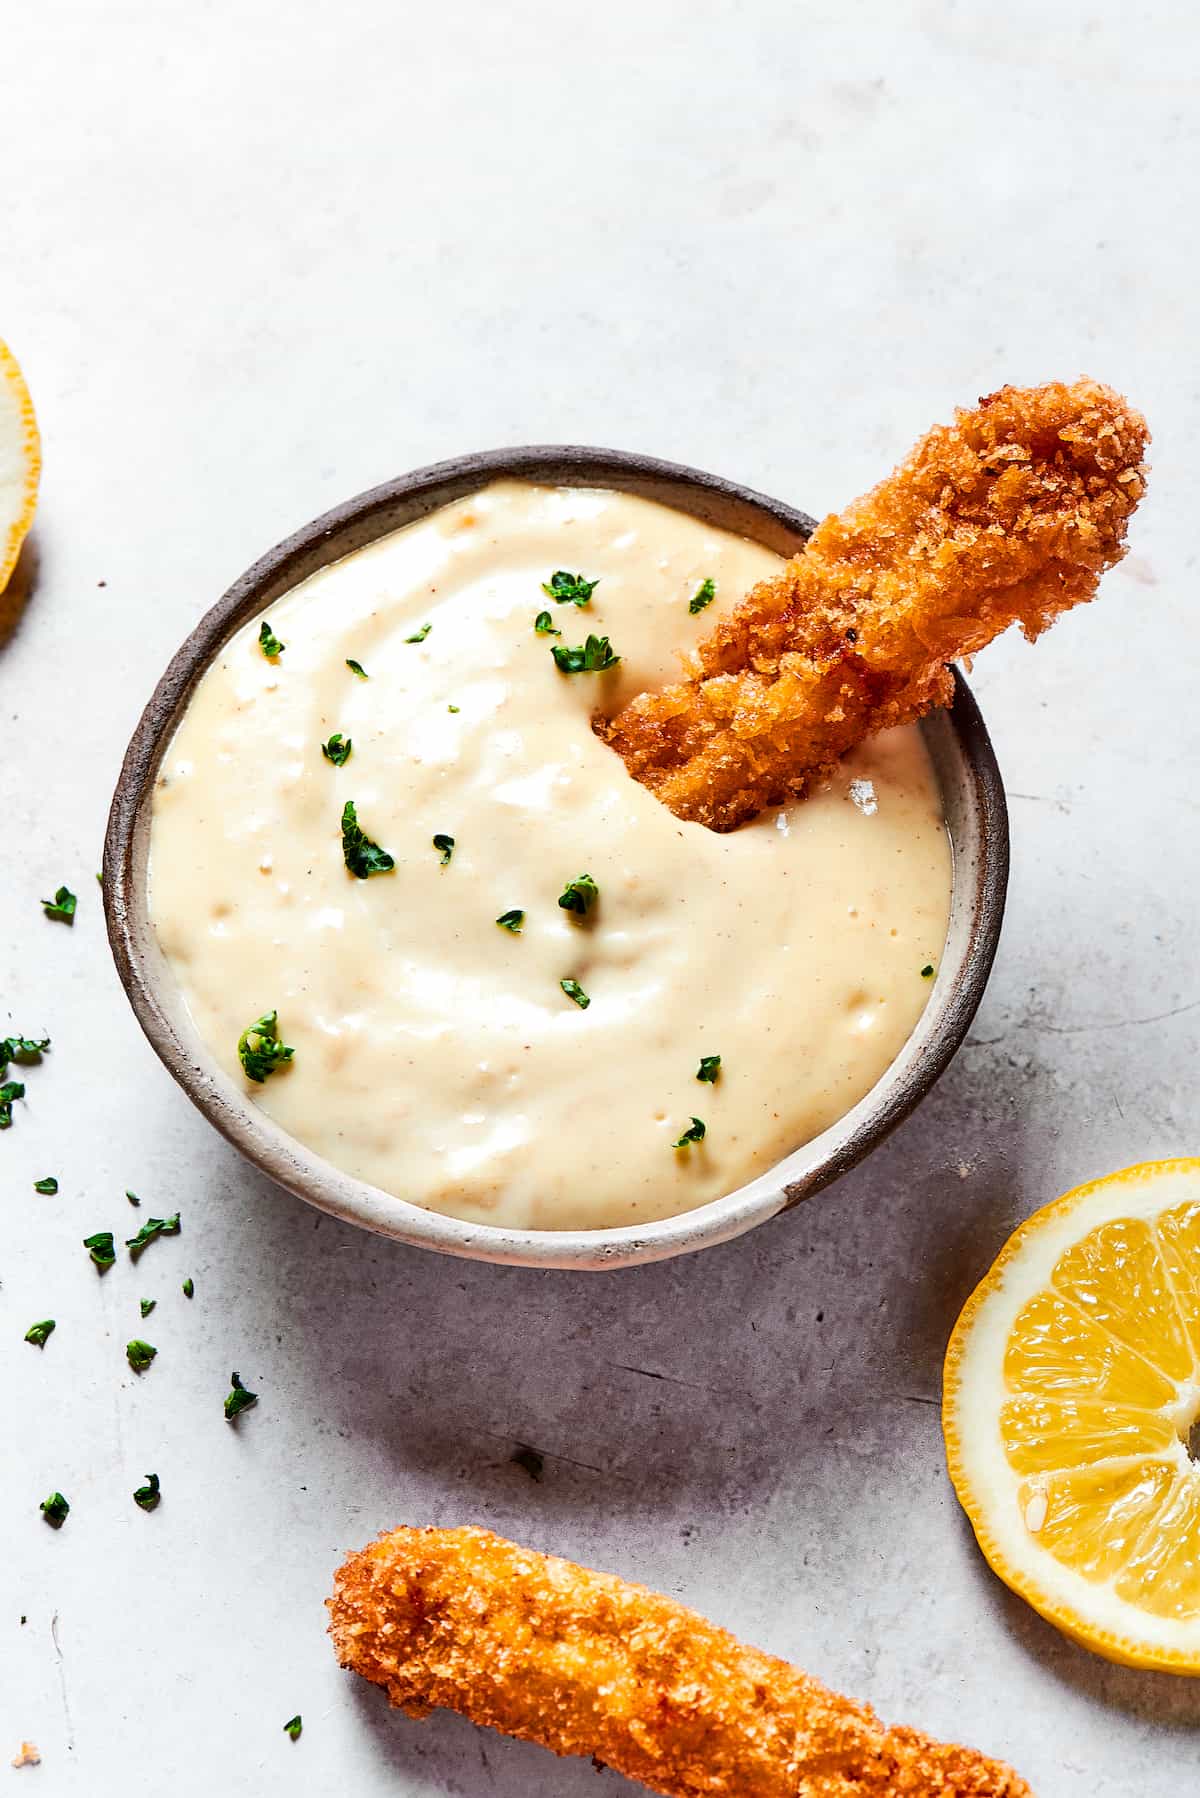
[[436, 1055]]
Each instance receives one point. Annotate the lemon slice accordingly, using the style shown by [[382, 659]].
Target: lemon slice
[[1072, 1391], [20, 462]]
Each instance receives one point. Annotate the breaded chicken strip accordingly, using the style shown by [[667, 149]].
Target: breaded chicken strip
[[1009, 515], [586, 1663]]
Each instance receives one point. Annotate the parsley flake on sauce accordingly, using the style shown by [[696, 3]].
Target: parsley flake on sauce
[[337, 750], [445, 847], [49, 1184], [357, 668], [268, 642], [238, 1399], [189, 1287], [139, 1354], [147, 1306], [37, 1333], [293, 1727], [563, 588], [152, 1228], [54, 1509], [511, 920], [419, 636], [61, 906], [709, 1069], [146, 1497], [454, 708], [259, 1049], [100, 1248], [543, 624], [592, 657], [927, 971], [704, 595], [361, 854], [579, 895], [574, 991], [694, 1133]]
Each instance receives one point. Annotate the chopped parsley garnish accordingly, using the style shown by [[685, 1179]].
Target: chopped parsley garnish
[[37, 1333], [543, 624], [12, 1089], [419, 636], [48, 1185], [357, 668], [362, 856], [132, 1197], [704, 595], [268, 642], [22, 1049], [54, 1509], [146, 1497], [337, 750], [528, 1460], [139, 1354], [511, 920], [189, 1287], [563, 587], [147, 1306], [259, 1049], [927, 971], [153, 1227], [454, 708], [61, 906], [239, 1399], [593, 657], [693, 1133], [573, 990], [293, 1726], [710, 1067], [579, 895], [100, 1248], [445, 847]]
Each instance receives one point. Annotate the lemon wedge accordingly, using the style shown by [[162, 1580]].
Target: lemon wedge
[[1071, 1396], [20, 462]]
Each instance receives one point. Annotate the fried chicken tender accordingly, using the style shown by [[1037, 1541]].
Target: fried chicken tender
[[586, 1663], [1008, 516]]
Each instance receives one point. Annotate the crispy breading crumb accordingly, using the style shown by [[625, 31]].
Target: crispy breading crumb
[[27, 1756], [1008, 516], [586, 1663]]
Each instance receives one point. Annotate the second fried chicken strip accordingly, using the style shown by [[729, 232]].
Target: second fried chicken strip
[[1009, 515], [586, 1663]]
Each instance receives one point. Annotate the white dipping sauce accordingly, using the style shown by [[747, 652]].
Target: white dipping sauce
[[436, 1055]]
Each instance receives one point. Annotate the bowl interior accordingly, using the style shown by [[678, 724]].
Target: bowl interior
[[972, 796]]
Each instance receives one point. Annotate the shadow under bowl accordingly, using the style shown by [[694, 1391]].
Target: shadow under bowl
[[972, 798]]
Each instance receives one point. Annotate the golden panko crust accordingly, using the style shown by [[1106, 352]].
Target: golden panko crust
[[586, 1663], [1008, 516]]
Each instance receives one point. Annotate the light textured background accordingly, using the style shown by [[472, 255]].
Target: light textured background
[[260, 255]]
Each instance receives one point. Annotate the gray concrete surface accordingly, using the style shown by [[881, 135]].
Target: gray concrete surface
[[259, 256]]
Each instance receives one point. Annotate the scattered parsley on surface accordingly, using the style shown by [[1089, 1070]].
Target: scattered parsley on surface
[[704, 595], [453, 708], [26, 1051], [573, 990], [152, 1228], [48, 1185], [563, 587], [37, 1333], [100, 1248], [593, 657], [543, 624], [293, 1726], [927, 971], [238, 1399], [61, 906], [260, 1051], [419, 636], [693, 1133], [361, 855], [445, 846], [189, 1287], [528, 1460], [357, 668], [268, 642], [146, 1497], [709, 1069], [147, 1306], [132, 1197], [139, 1354], [337, 750], [511, 920], [12, 1089], [579, 895], [54, 1509]]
